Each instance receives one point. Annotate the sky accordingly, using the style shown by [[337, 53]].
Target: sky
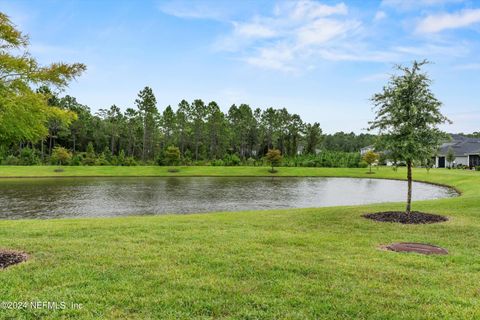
[[320, 59]]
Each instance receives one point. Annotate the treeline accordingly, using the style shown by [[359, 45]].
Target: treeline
[[203, 133]]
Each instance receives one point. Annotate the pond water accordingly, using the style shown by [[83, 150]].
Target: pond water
[[108, 197]]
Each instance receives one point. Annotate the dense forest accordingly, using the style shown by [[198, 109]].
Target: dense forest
[[38, 126], [202, 132]]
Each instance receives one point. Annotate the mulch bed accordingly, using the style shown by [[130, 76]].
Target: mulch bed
[[415, 247], [414, 217], [9, 257]]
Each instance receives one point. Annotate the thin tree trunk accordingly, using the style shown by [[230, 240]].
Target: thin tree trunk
[[409, 193], [74, 143], [144, 142]]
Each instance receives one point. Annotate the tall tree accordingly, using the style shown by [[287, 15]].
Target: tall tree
[[147, 107], [216, 130], [198, 114], [168, 124], [313, 137], [407, 118]]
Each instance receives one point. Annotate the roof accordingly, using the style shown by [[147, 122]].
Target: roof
[[461, 146]]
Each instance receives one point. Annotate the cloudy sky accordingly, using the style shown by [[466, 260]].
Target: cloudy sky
[[320, 59]]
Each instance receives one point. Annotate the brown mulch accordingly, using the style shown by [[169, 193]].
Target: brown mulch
[[414, 217], [9, 257], [422, 248]]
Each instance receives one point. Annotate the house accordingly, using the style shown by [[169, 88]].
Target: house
[[466, 151], [366, 149]]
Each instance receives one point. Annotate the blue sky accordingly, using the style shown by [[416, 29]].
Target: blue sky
[[320, 59]]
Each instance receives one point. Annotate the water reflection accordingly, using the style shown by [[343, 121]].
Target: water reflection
[[102, 197]]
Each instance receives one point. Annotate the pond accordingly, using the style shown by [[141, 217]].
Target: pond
[[107, 197]]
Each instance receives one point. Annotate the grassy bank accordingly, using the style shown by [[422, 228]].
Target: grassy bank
[[278, 264]]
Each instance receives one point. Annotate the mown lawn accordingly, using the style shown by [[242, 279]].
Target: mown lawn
[[278, 264]]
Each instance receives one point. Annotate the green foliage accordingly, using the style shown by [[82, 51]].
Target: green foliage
[[172, 155], [102, 160], [327, 159], [231, 160], [217, 163], [11, 161], [408, 115], [60, 156], [370, 158], [76, 160], [29, 157], [407, 118], [274, 157], [450, 157], [313, 137], [90, 156], [24, 113]]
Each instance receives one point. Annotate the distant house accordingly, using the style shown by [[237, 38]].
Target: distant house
[[366, 149], [466, 150]]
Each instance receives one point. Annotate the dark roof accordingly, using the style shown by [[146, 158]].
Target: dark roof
[[461, 146]]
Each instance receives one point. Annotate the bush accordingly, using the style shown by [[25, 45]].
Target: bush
[[251, 162], [76, 160], [329, 159], [28, 157], [217, 163], [130, 161], [102, 160], [60, 156], [90, 157], [232, 160], [11, 161]]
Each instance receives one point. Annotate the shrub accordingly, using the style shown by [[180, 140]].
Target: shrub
[[11, 161], [28, 157], [102, 160], [232, 160], [130, 161], [251, 161], [60, 156], [217, 163], [172, 156], [90, 157], [76, 160]]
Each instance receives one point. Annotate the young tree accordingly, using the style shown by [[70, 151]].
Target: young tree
[[172, 155], [407, 118], [370, 158], [274, 157], [450, 157], [61, 156], [428, 163]]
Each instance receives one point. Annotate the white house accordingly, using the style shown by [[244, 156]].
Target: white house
[[466, 151]]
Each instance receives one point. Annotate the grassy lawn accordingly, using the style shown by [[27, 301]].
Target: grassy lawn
[[278, 264]]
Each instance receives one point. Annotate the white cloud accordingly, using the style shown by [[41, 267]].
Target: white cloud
[[192, 10], [254, 30], [307, 9], [380, 15], [414, 4], [294, 34], [440, 22]]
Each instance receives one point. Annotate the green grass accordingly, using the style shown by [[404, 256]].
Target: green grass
[[278, 264]]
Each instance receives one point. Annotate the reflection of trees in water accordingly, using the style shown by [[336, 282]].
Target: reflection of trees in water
[[123, 196]]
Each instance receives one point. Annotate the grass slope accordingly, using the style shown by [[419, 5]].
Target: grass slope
[[278, 264]]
